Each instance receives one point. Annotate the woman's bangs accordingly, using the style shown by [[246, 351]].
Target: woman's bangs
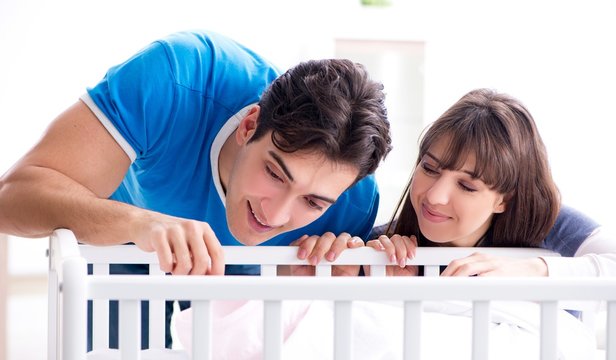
[[462, 145]]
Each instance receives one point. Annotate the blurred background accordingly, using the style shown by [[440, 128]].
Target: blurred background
[[558, 57]]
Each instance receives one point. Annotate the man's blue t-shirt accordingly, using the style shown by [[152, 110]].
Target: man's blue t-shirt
[[171, 107]]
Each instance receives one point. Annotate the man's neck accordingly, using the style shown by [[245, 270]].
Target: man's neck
[[227, 155]]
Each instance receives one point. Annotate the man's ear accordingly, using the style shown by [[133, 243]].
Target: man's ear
[[247, 125]]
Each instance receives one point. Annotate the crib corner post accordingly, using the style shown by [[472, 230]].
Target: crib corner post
[[74, 308]]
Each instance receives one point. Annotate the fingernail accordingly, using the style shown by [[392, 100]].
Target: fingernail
[[330, 256], [313, 260], [302, 253], [381, 247], [402, 262], [392, 259]]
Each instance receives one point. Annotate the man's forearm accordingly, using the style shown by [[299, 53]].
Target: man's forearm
[[34, 201]]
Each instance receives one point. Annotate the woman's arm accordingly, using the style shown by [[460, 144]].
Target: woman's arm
[[596, 256]]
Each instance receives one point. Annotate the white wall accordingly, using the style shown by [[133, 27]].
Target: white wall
[[556, 56]]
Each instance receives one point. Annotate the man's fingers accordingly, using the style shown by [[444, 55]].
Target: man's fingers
[[355, 242], [340, 244], [201, 261], [322, 245], [183, 258], [214, 249], [302, 251], [165, 257]]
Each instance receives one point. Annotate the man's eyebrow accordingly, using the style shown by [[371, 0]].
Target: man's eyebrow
[[286, 171], [282, 164], [326, 199]]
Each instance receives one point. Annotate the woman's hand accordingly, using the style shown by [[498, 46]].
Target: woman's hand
[[399, 250], [480, 264], [316, 248]]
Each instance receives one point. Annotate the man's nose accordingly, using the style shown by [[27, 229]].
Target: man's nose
[[277, 210]]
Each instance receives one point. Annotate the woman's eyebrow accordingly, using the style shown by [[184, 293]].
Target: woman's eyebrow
[[471, 173], [428, 154]]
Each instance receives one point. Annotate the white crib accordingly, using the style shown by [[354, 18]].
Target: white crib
[[70, 287]]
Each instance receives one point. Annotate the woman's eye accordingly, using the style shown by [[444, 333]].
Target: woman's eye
[[428, 169], [272, 174], [467, 188]]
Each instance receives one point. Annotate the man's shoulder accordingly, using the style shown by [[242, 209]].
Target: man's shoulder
[[210, 46], [365, 189]]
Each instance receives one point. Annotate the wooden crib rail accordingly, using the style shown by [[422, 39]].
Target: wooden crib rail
[[70, 287], [268, 257]]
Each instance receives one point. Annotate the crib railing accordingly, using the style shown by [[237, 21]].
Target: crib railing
[[71, 287]]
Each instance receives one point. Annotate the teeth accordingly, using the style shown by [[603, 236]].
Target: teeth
[[256, 217]]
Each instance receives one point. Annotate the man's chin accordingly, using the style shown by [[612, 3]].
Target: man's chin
[[250, 240]]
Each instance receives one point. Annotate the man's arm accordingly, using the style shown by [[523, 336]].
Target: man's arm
[[65, 180]]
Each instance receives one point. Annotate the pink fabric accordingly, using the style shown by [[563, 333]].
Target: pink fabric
[[238, 327]]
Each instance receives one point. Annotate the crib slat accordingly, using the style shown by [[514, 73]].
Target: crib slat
[[481, 330], [130, 330], [412, 330], [549, 328], [378, 270], [432, 270], [272, 332], [610, 333], [269, 270], [202, 330], [323, 270], [157, 315], [100, 314], [343, 331]]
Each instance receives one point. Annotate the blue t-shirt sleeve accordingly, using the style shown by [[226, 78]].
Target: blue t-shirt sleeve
[[569, 231], [136, 92], [367, 226]]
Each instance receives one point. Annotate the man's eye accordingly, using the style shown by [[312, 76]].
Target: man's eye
[[272, 174], [312, 204]]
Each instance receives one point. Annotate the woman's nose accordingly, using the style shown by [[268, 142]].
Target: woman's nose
[[440, 191]]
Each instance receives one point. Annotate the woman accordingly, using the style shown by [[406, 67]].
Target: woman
[[482, 179]]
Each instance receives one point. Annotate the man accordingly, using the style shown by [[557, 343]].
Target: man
[[186, 147]]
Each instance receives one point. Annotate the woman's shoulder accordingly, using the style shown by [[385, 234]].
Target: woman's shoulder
[[378, 230], [570, 230]]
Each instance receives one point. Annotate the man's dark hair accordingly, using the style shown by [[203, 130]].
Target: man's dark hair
[[330, 107]]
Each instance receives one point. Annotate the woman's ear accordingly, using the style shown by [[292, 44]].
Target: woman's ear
[[501, 205], [248, 125]]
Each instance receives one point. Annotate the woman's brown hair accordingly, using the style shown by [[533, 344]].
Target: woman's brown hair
[[511, 159]]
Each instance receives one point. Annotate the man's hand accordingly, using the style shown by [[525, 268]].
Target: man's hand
[[328, 247], [480, 264], [399, 249], [183, 246]]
